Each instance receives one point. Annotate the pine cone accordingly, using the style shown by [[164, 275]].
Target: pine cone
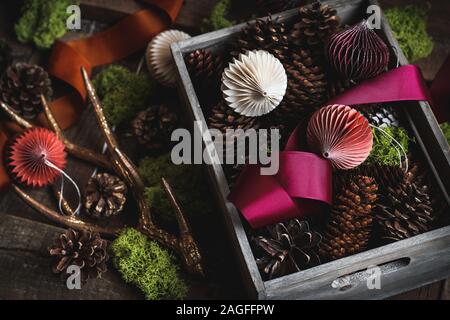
[[385, 176], [263, 34], [223, 117], [105, 195], [350, 223], [404, 211], [306, 91], [153, 127], [81, 248], [380, 115], [5, 56], [316, 23], [288, 247], [205, 69], [273, 6], [22, 85]]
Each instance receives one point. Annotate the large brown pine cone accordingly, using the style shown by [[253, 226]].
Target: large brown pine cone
[[264, 34], [316, 23], [205, 69], [105, 195], [349, 228], [286, 247], [223, 117], [153, 127], [21, 87], [84, 249]]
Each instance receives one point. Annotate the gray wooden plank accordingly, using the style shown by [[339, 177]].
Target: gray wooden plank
[[26, 266]]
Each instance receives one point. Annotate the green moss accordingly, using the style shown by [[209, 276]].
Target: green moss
[[446, 129], [43, 21], [145, 264], [123, 93], [384, 150], [409, 25], [218, 18], [186, 181]]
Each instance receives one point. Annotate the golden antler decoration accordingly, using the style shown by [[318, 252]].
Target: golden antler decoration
[[117, 161]]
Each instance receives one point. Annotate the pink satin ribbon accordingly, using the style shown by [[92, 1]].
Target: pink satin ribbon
[[303, 183]]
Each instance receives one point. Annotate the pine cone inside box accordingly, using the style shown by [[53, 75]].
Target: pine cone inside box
[[287, 247]]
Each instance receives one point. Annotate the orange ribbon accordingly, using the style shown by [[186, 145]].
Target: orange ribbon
[[119, 41]]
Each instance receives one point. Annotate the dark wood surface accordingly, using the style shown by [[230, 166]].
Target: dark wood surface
[[25, 235]]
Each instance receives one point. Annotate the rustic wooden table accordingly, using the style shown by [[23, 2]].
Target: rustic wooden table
[[25, 235]]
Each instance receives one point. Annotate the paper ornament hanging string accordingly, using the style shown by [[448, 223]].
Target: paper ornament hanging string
[[340, 134], [254, 84], [37, 158], [358, 53], [159, 57]]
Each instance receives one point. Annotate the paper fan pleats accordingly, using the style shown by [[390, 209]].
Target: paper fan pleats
[[30, 154], [254, 84], [159, 57], [340, 134], [358, 52]]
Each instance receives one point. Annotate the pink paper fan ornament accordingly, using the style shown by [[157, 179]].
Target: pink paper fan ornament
[[32, 155], [358, 53], [340, 134]]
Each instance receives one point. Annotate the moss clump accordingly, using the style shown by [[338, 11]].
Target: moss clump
[[123, 93], [145, 264], [186, 181], [409, 25], [218, 18], [384, 150], [43, 21], [446, 130]]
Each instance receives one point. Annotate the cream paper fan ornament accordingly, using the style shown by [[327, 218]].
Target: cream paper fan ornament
[[254, 84], [159, 58]]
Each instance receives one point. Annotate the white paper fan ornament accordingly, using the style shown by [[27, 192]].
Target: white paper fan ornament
[[254, 84], [159, 58]]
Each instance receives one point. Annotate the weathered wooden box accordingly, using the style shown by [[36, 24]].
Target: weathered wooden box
[[404, 265]]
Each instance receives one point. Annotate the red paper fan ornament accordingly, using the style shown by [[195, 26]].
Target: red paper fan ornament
[[340, 134], [32, 155], [358, 53]]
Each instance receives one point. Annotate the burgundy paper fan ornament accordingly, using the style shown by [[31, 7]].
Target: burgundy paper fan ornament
[[33, 154], [358, 53], [340, 134]]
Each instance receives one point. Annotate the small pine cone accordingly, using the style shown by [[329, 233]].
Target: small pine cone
[[350, 223], [205, 69], [316, 23], [274, 6], [263, 34], [380, 115], [105, 195], [286, 247], [21, 87], [81, 248], [153, 127], [404, 211], [5, 56], [385, 176]]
